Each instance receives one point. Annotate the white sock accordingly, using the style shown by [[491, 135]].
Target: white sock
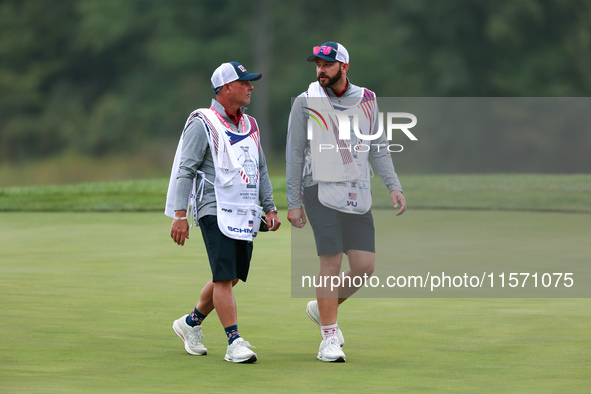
[[329, 331]]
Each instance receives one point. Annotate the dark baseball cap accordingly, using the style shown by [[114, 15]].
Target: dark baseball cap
[[331, 52]]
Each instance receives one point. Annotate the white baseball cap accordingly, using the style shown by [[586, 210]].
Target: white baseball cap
[[230, 72]]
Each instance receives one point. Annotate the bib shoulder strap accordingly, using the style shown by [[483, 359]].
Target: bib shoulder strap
[[253, 123], [368, 95], [254, 130]]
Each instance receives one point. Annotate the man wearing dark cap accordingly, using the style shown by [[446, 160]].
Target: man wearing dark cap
[[334, 174], [220, 172]]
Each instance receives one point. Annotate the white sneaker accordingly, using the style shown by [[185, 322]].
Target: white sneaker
[[331, 351], [314, 314], [239, 352], [191, 336]]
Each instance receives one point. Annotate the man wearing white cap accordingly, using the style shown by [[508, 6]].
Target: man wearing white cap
[[221, 173], [334, 174]]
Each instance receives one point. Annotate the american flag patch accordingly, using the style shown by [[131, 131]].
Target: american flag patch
[[352, 196], [250, 223]]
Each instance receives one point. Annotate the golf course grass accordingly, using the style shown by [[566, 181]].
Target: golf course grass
[[88, 298]]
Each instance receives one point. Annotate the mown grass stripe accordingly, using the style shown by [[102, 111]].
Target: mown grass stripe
[[511, 192]]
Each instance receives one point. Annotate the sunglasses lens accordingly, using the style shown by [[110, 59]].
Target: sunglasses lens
[[324, 50]]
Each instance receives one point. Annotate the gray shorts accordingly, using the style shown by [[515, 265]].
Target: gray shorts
[[335, 231]]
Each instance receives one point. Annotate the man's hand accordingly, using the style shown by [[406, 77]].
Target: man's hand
[[179, 231], [297, 217], [398, 198], [273, 221]]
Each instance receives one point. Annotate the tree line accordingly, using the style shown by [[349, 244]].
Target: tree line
[[103, 77]]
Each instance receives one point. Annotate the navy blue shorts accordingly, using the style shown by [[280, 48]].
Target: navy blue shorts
[[336, 231], [228, 258]]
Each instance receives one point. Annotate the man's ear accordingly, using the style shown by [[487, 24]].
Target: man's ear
[[222, 90]]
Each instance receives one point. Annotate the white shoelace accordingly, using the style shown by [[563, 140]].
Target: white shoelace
[[195, 337], [243, 343], [333, 341]]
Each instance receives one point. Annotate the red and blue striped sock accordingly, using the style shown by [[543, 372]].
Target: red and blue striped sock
[[195, 318], [232, 333]]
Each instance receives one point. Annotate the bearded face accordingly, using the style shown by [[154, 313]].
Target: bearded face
[[328, 73]]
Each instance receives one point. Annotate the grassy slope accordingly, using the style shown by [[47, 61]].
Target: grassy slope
[[564, 193]]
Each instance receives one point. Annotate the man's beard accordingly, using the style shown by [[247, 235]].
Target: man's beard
[[331, 81]]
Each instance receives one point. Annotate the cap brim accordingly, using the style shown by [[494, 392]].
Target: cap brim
[[250, 77], [312, 58]]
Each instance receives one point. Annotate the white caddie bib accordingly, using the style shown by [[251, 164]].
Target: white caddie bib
[[352, 196], [236, 159]]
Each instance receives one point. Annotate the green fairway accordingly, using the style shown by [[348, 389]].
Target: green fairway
[[88, 300]]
